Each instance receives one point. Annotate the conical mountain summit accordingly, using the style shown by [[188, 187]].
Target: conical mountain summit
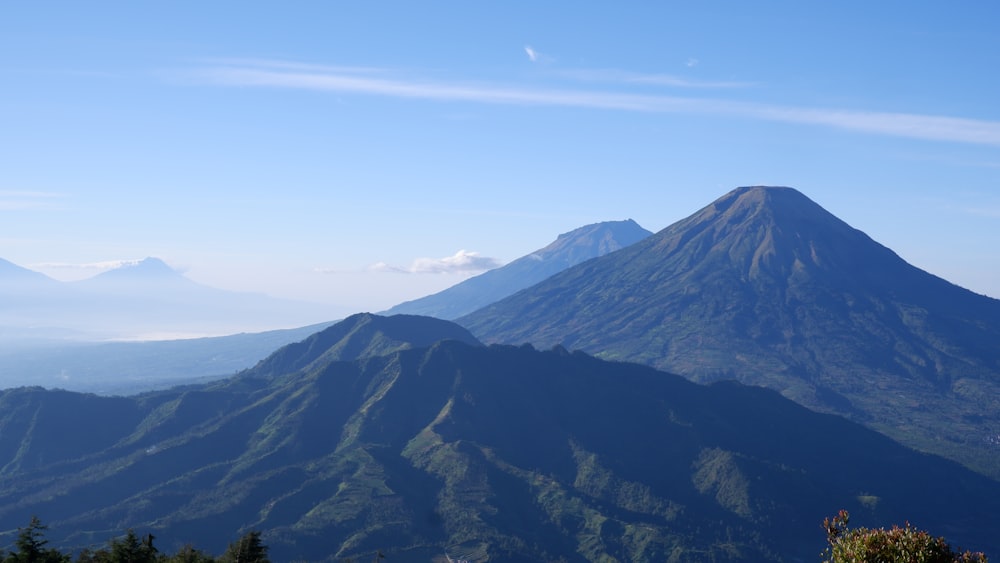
[[765, 286], [149, 267]]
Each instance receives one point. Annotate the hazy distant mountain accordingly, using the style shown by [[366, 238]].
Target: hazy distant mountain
[[126, 368], [146, 272], [498, 453], [27, 301], [767, 287], [568, 250], [142, 300], [11, 273]]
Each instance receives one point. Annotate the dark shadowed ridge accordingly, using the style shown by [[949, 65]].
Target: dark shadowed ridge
[[360, 336], [767, 287], [567, 250], [494, 453]]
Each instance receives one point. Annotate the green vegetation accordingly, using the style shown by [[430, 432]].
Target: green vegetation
[[30, 548], [897, 545], [502, 453]]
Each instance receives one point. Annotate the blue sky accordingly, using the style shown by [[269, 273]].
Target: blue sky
[[364, 153]]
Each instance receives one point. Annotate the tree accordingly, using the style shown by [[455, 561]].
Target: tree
[[131, 550], [248, 549], [898, 545], [188, 554], [31, 546]]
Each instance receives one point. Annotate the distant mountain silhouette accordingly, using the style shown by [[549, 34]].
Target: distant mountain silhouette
[[767, 287], [11, 273], [143, 300], [500, 453], [27, 298], [146, 271], [567, 250]]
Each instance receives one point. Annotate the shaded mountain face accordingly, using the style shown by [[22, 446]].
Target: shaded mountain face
[[500, 453], [766, 287], [147, 300], [568, 250]]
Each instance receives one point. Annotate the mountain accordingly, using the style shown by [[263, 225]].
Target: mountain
[[567, 250], [494, 453], [11, 273], [24, 294], [130, 275], [767, 287], [362, 335], [144, 300]]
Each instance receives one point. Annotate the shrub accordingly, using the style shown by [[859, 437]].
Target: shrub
[[898, 545]]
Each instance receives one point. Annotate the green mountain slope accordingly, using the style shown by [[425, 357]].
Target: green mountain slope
[[363, 335], [765, 286], [567, 250], [484, 453]]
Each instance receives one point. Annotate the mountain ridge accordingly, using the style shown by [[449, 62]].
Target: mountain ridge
[[362, 335]]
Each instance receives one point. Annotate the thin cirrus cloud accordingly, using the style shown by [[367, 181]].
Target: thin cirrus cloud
[[625, 77], [17, 200], [462, 262], [368, 81]]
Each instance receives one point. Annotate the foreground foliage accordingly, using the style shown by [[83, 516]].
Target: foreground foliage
[[898, 545], [131, 548]]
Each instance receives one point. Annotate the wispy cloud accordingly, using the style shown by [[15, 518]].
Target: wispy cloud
[[16, 200], [461, 262], [625, 77], [992, 212], [536, 57], [278, 64], [336, 79], [86, 266]]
